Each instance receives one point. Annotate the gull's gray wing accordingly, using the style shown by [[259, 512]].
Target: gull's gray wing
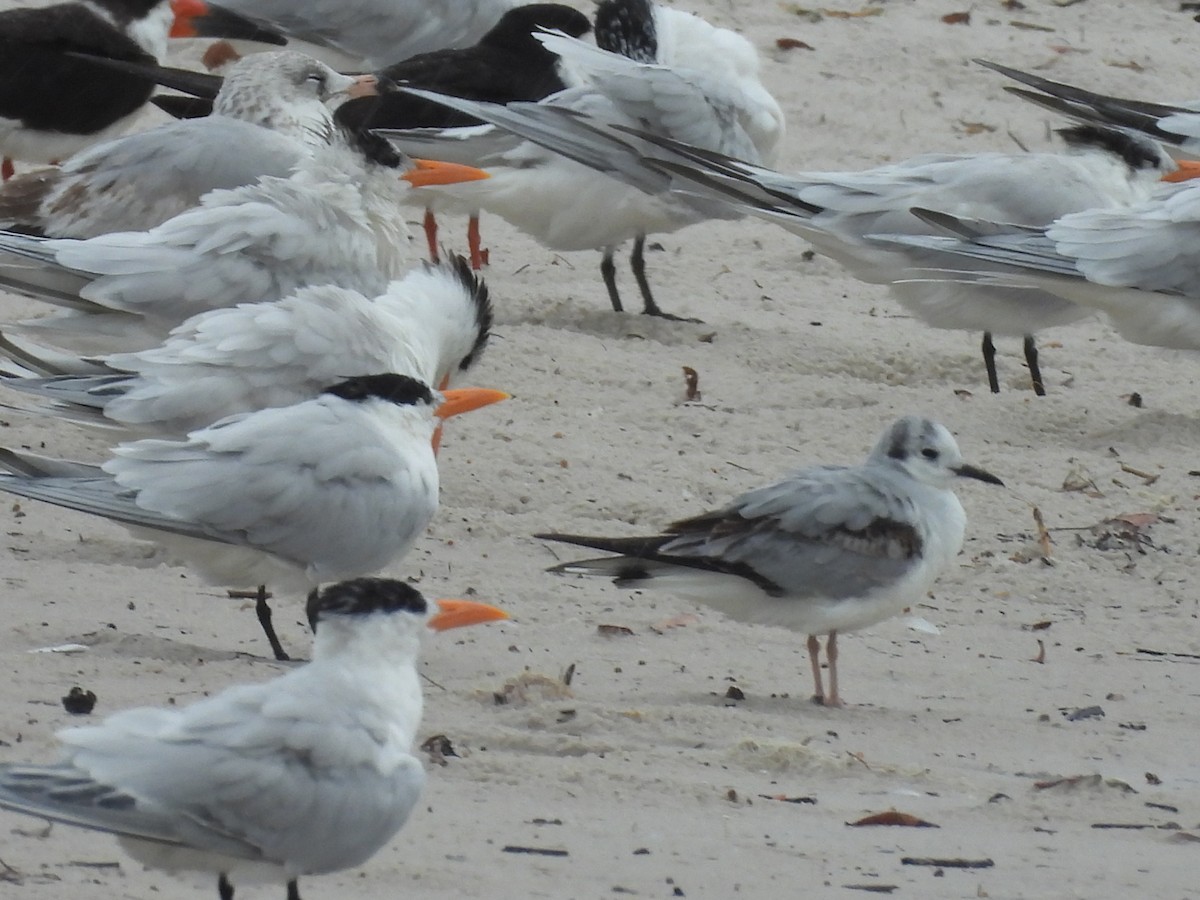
[[828, 532]]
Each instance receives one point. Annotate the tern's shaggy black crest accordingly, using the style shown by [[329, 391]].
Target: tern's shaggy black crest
[[1136, 151], [627, 27], [399, 389], [364, 596]]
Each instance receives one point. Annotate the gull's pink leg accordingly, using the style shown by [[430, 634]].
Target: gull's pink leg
[[814, 654]]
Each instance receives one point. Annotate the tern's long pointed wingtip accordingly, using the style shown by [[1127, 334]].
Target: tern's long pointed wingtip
[[460, 613]]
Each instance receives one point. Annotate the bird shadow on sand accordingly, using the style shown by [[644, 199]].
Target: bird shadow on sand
[[583, 318], [164, 649]]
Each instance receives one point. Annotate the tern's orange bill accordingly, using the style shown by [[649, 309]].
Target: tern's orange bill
[[1186, 171], [185, 11], [427, 172], [459, 613], [461, 400]]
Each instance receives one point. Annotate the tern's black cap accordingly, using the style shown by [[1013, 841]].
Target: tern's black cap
[[399, 389], [364, 596]]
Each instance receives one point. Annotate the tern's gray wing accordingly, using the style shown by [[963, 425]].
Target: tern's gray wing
[[76, 398], [101, 496], [284, 771], [69, 795], [1149, 246]]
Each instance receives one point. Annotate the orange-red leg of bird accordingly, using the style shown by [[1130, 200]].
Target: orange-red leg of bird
[[6, 169], [479, 256], [430, 225]]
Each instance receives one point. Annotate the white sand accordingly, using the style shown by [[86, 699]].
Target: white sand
[[649, 780]]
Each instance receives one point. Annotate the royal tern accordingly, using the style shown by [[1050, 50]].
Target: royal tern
[[336, 220], [309, 773], [330, 488], [826, 550], [433, 324], [271, 109], [835, 211], [363, 34], [681, 78], [1174, 124], [1138, 265]]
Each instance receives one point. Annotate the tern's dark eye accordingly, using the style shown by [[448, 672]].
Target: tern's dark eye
[[929, 453]]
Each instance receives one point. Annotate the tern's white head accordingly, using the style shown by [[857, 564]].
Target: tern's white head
[[927, 452], [385, 613]]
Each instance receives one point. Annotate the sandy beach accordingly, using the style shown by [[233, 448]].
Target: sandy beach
[[1048, 729]]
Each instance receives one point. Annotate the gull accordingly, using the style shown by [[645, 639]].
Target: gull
[[310, 773], [433, 324], [836, 211], [330, 488], [336, 220], [676, 76], [1137, 265], [1174, 124], [271, 110], [826, 550], [363, 35]]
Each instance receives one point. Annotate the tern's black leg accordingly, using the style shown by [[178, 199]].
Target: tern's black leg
[[293, 890], [264, 619], [637, 262], [224, 888], [989, 360], [608, 271], [1031, 357]]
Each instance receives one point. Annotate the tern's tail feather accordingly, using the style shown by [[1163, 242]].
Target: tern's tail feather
[[29, 267]]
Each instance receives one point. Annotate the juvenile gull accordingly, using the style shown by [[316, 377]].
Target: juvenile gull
[[826, 550]]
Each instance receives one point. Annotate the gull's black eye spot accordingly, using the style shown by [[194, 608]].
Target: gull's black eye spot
[[929, 453]]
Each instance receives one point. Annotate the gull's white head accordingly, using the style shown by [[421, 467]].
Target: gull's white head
[[927, 452], [287, 92]]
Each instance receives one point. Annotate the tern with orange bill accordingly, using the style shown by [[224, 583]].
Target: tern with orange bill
[[337, 219], [310, 773], [1104, 167], [667, 71], [433, 324], [330, 488]]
